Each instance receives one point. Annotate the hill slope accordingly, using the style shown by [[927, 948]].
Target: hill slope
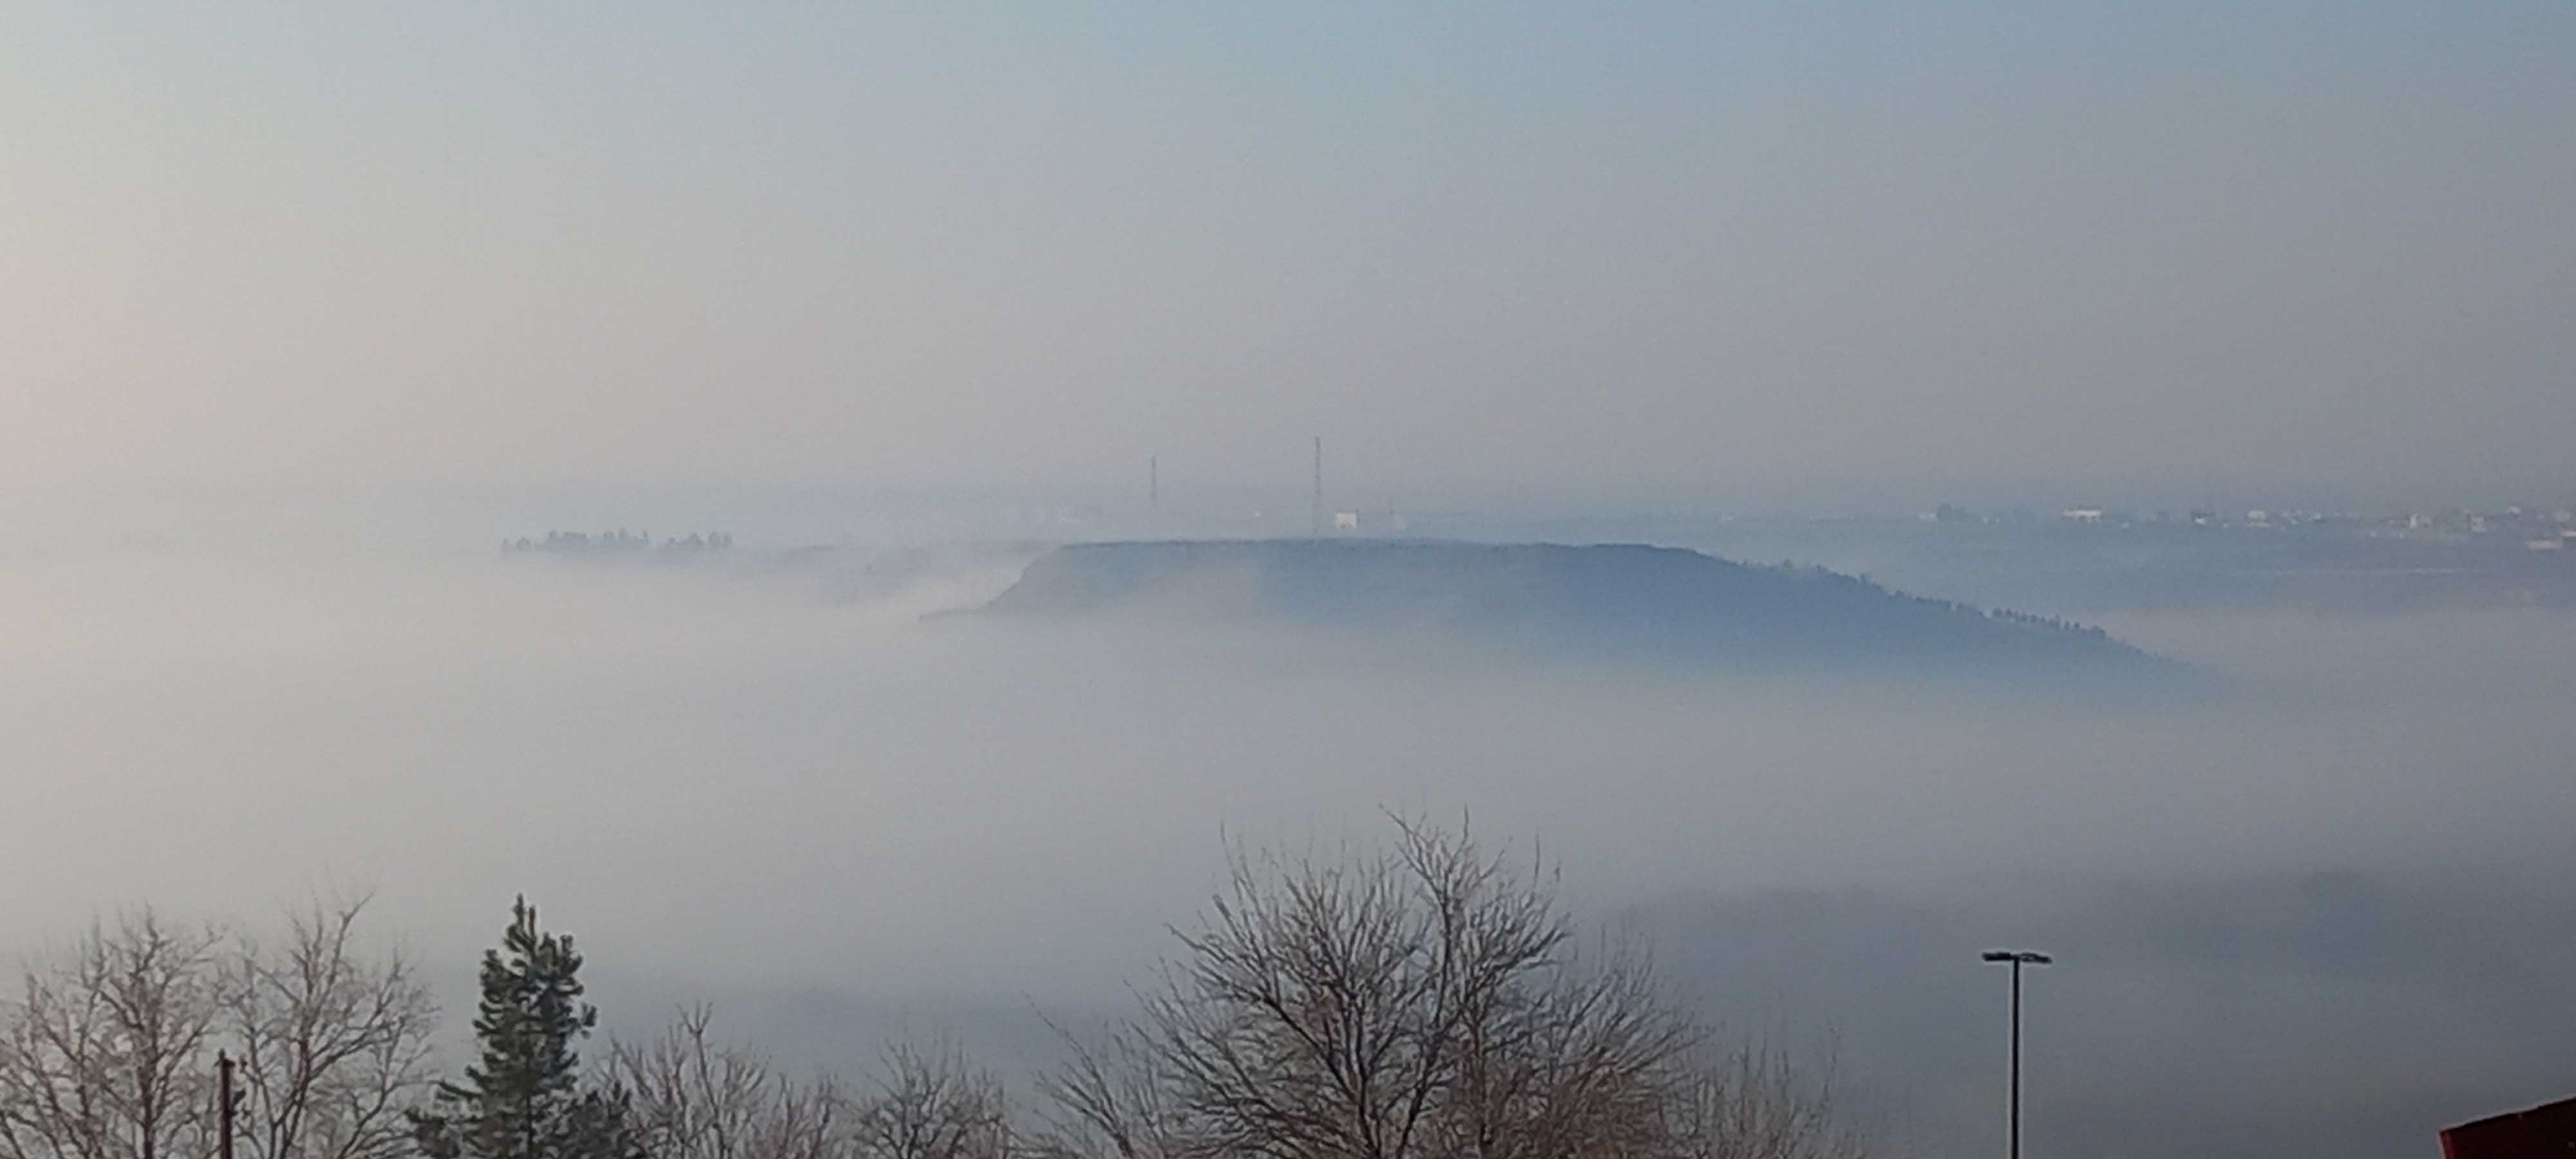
[[1623, 600]]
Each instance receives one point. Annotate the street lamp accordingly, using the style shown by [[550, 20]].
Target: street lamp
[[2018, 959]]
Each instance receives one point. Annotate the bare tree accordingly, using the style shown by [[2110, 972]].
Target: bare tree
[[104, 1054], [931, 1103], [109, 1050], [1756, 1103], [1422, 1002], [334, 1045], [1111, 1101], [695, 1098], [1555, 1055]]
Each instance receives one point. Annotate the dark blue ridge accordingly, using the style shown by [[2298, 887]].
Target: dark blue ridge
[[1627, 600]]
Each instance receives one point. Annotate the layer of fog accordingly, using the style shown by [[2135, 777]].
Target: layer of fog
[[2300, 921]]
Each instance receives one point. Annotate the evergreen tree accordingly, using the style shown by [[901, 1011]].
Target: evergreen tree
[[525, 1098]]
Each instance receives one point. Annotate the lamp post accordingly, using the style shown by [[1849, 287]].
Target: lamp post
[[2017, 959]]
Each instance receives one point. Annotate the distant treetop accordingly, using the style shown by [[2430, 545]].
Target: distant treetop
[[619, 542]]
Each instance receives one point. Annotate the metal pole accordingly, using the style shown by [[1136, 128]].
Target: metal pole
[[2015, 1149], [2016, 959], [224, 1111]]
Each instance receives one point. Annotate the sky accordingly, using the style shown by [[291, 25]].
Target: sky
[[1643, 251]]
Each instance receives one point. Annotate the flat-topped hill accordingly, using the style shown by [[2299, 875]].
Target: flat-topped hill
[[1627, 600]]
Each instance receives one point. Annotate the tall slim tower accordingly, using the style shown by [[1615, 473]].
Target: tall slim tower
[[1153, 483], [1319, 487]]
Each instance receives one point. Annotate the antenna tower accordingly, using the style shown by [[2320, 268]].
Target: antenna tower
[[1319, 486]]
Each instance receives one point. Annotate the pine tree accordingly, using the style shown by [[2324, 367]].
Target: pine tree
[[525, 1098]]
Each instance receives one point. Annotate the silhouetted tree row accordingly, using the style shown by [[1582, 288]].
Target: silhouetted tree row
[[619, 542], [2050, 623], [1956, 611], [108, 1048], [1429, 1001]]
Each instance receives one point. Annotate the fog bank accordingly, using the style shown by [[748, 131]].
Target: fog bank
[[770, 780]]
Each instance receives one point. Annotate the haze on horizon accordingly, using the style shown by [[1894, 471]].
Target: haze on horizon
[[1646, 252], [303, 308]]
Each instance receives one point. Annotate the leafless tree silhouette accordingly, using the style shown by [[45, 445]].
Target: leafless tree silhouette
[[1427, 1002], [108, 1051]]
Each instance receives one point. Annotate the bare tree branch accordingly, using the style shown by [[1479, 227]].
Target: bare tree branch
[[334, 1045], [105, 1053], [109, 1050], [1420, 1003]]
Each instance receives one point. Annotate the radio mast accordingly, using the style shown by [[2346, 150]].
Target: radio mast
[[1318, 530]]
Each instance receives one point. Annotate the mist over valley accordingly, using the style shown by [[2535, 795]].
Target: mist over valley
[[825, 789], [1105, 580]]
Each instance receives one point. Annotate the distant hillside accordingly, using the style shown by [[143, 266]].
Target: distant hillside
[[1623, 600]]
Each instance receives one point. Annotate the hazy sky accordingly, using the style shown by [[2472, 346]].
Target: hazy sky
[[1641, 249]]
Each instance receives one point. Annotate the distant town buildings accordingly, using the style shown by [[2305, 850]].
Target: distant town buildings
[[2539, 529]]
